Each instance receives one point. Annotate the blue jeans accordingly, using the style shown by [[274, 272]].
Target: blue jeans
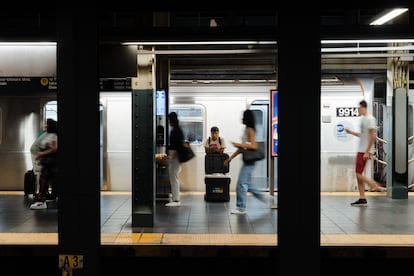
[[244, 185]]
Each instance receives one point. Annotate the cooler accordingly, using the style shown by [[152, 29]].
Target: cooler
[[217, 179]]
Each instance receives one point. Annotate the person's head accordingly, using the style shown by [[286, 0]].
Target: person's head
[[214, 133], [363, 107], [51, 126], [173, 119], [248, 119], [46, 123]]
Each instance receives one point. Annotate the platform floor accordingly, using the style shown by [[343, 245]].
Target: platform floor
[[385, 222]]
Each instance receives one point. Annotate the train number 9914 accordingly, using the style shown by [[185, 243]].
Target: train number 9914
[[347, 112]]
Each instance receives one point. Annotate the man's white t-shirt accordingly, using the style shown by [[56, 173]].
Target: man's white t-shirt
[[367, 122]]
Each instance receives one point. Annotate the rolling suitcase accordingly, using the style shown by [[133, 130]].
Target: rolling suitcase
[[29, 182], [217, 179]]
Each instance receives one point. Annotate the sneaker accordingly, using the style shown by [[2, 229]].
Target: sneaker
[[38, 205], [173, 204], [362, 202], [238, 212]]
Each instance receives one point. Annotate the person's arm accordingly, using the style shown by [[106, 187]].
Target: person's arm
[[357, 134], [372, 137], [252, 138], [240, 146], [227, 161], [52, 148]]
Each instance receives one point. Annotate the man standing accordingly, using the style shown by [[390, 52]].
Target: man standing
[[365, 151]]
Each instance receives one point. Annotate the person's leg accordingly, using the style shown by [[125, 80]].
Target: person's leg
[[251, 187], [37, 169], [174, 170], [52, 185], [359, 168], [242, 186], [361, 185], [374, 185]]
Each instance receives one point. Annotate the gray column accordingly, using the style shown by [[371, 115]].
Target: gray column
[[399, 187]]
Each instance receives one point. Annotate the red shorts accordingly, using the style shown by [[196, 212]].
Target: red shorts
[[360, 163]]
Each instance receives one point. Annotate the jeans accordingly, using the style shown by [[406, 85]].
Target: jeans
[[244, 185]]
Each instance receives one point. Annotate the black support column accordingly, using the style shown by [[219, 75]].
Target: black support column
[[143, 142], [299, 142], [78, 154]]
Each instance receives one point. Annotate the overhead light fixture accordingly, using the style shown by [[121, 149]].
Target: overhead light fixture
[[388, 16], [368, 49], [199, 43], [362, 41], [27, 43]]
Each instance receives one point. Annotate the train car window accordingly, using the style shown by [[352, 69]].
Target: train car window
[[260, 132], [50, 110], [192, 121]]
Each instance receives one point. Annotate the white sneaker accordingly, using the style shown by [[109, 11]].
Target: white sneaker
[[238, 212], [38, 205], [173, 204]]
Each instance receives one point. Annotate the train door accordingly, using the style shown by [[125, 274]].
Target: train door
[[101, 144], [260, 174], [380, 160], [410, 132], [116, 137]]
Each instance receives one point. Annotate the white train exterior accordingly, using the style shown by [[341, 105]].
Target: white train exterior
[[221, 106], [22, 113]]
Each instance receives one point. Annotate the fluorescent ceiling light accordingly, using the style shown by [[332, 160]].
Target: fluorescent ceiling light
[[27, 43], [368, 49], [344, 41], [198, 42], [388, 16]]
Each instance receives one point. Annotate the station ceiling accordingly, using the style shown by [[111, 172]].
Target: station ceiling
[[217, 63]]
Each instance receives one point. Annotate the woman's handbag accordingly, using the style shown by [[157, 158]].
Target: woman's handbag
[[253, 155], [185, 153]]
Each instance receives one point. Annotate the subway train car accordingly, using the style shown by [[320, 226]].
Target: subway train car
[[28, 91], [339, 110], [339, 102], [199, 108], [22, 116]]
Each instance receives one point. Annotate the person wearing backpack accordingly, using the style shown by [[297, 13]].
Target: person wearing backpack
[[214, 143]]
